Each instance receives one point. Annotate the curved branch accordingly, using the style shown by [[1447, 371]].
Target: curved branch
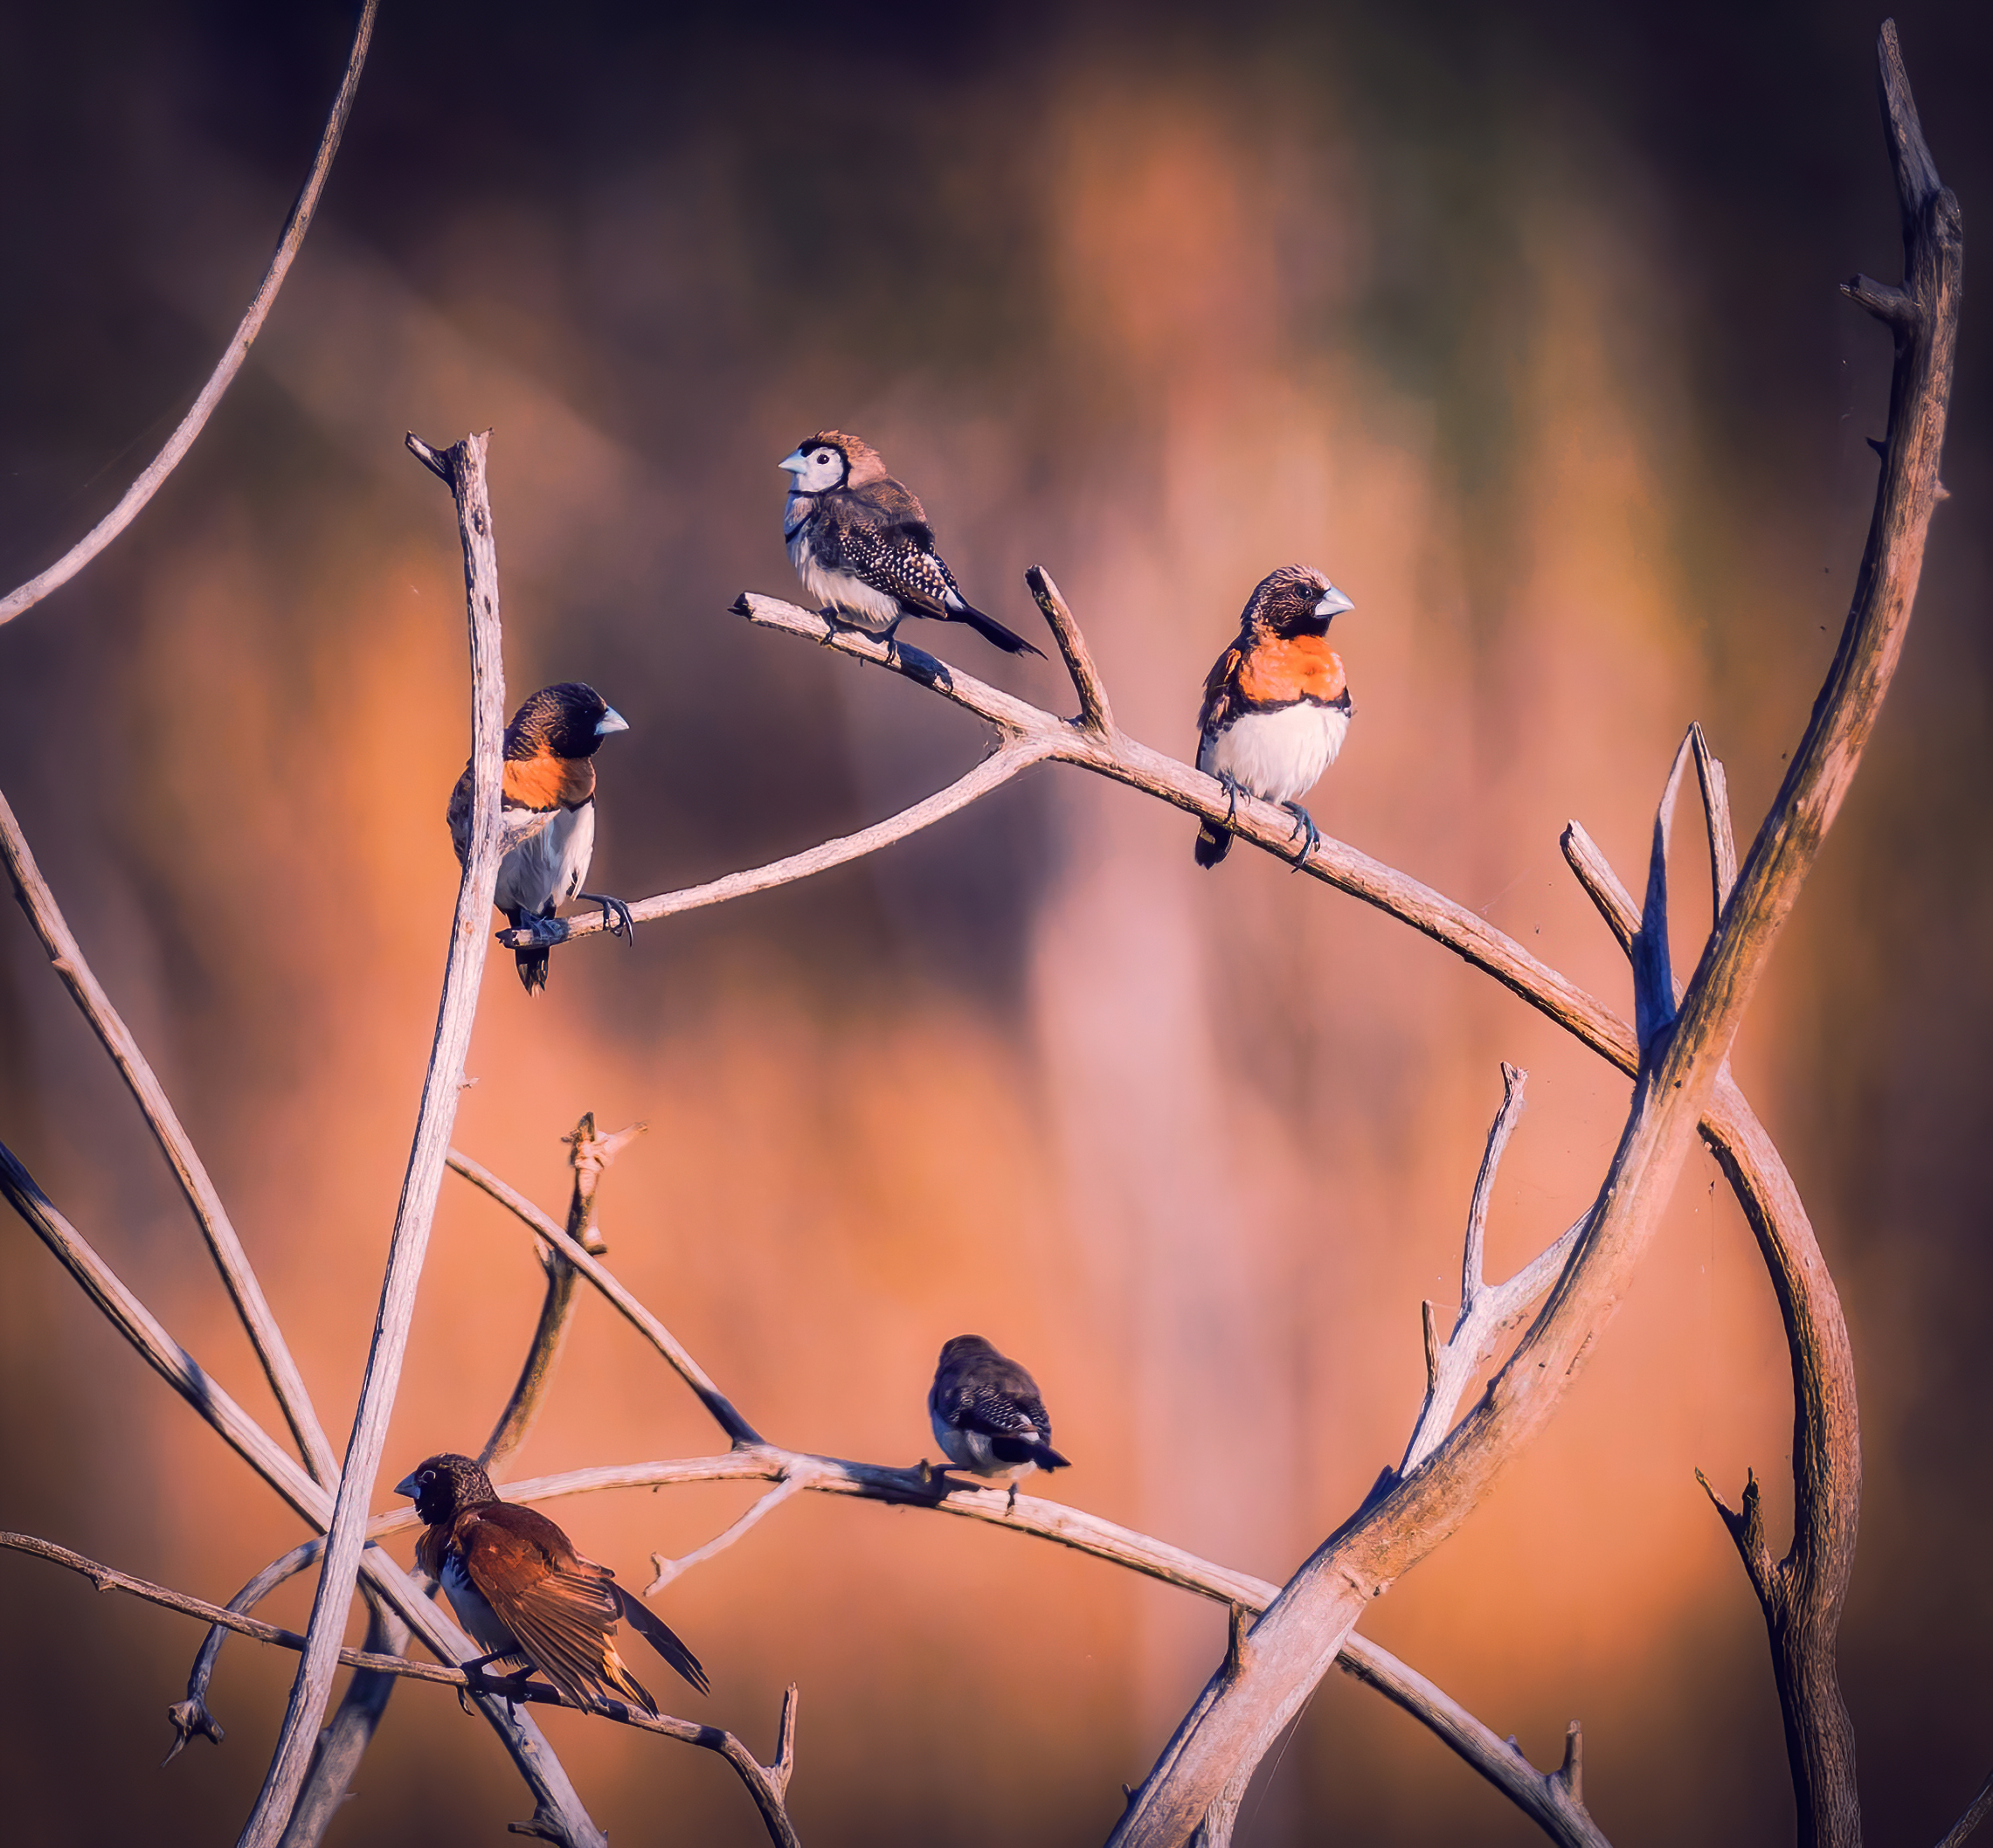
[[289, 241], [238, 1274], [766, 1784]]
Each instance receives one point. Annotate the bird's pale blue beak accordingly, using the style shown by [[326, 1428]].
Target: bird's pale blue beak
[[407, 1485], [795, 463], [610, 721], [1332, 603]]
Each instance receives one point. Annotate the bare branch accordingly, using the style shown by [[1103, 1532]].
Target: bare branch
[[1975, 1812], [1603, 886], [1716, 810], [589, 1154], [1094, 712], [660, 1336], [1653, 979], [442, 1086], [1485, 1313], [992, 772], [289, 241], [668, 1570], [556, 1805], [767, 1784], [65, 956], [191, 1715], [1234, 1724], [342, 1744]]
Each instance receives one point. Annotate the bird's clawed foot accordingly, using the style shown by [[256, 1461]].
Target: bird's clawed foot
[[616, 919], [1010, 1507], [1304, 824], [1231, 787], [510, 1688]]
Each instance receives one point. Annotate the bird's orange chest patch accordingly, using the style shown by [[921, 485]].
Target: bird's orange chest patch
[[1278, 673], [549, 782]]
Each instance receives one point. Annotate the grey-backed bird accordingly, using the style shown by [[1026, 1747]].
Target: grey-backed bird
[[1275, 704], [549, 813], [524, 1594], [987, 1414], [860, 543]]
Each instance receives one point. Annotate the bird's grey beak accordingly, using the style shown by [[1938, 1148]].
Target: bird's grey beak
[[1332, 603], [795, 463], [407, 1485], [610, 721]]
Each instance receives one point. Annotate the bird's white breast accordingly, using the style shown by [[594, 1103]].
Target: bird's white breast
[[1280, 755], [854, 601], [548, 869]]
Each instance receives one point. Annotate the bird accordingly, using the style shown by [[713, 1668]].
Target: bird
[[524, 1594], [987, 1416], [860, 543], [1276, 704], [549, 815]]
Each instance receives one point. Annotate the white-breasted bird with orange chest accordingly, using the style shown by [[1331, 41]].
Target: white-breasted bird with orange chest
[[1275, 704], [549, 813]]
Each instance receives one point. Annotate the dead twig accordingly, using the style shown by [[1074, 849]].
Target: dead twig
[[289, 241]]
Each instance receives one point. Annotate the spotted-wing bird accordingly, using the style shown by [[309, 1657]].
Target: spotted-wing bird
[[1275, 704], [860, 543], [987, 1414], [524, 1594], [549, 813]]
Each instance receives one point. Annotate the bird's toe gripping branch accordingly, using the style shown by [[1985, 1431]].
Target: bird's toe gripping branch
[[616, 919], [1303, 825]]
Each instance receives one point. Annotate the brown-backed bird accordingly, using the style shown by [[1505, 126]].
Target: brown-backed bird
[[987, 1414], [860, 543], [1275, 704], [520, 1588], [550, 813]]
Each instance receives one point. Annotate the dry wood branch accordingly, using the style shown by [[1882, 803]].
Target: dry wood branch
[[589, 1154], [1716, 786], [666, 1570], [289, 241], [1654, 989], [1233, 1724], [1096, 714], [556, 1805], [342, 1744], [66, 957], [1485, 1313], [767, 1784], [442, 1086], [1500, 1763], [660, 1336], [1975, 1812]]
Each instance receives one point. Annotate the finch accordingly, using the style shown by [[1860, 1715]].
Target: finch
[[860, 543], [520, 1588], [549, 813], [1275, 704], [987, 1414]]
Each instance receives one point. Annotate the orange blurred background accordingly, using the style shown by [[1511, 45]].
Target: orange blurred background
[[1522, 327]]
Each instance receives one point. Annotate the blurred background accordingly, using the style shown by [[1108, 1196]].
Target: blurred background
[[1522, 324]]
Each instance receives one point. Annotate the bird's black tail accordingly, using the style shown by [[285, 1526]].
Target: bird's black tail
[[661, 1637], [1015, 1450], [994, 632], [1213, 844], [532, 962]]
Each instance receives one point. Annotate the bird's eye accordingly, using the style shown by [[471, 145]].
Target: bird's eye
[[823, 455]]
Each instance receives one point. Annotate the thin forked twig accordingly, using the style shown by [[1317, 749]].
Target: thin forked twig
[[289, 241], [66, 957], [767, 1784], [666, 1570], [442, 1086]]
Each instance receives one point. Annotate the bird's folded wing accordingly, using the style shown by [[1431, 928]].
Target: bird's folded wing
[[560, 1613], [1220, 686], [893, 558], [1004, 1414]]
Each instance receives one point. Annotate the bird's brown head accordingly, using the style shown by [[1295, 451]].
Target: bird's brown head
[[965, 1348], [833, 458], [444, 1486], [569, 719], [1294, 600]]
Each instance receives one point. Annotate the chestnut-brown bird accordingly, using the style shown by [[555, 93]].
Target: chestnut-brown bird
[[987, 1414], [860, 543], [549, 813], [1275, 704], [524, 1594]]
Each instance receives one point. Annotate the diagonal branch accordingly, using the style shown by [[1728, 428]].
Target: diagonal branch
[[590, 1267], [65, 956], [442, 1085], [767, 1784], [1096, 715], [289, 241], [556, 1805]]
